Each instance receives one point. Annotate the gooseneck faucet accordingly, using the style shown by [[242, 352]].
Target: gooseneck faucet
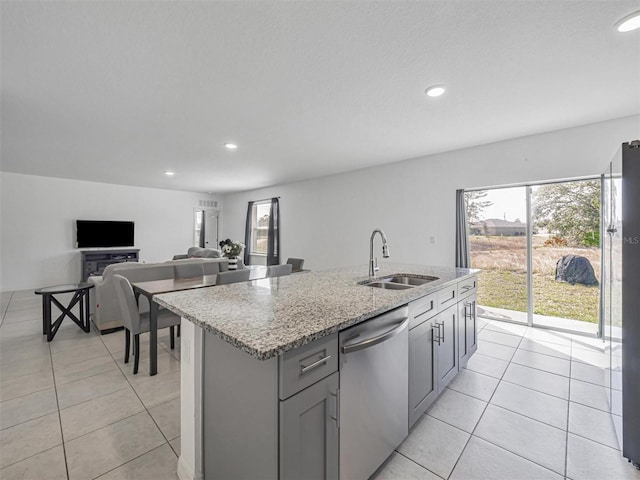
[[373, 264]]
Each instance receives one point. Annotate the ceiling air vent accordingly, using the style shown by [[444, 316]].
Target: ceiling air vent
[[209, 203]]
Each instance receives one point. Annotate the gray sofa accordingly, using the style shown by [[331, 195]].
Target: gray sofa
[[199, 252], [105, 310]]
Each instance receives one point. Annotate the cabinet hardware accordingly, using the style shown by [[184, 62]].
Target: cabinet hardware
[[434, 335], [440, 332], [305, 369], [453, 296], [336, 418]]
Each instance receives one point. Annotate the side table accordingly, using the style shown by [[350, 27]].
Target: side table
[[80, 294]]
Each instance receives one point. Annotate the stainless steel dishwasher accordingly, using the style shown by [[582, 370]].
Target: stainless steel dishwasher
[[374, 379]]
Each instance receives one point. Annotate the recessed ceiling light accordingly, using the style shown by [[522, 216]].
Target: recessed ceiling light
[[231, 146], [629, 23], [435, 90], [169, 173]]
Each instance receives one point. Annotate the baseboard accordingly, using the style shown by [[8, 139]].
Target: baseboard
[[110, 330], [185, 472]]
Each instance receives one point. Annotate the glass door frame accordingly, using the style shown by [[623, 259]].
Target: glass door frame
[[528, 188]]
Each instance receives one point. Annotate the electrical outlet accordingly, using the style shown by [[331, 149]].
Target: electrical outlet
[[432, 240]]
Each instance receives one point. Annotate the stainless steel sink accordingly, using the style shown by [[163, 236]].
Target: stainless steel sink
[[399, 281], [410, 280], [389, 285]]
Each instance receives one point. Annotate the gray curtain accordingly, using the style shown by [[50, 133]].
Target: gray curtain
[[201, 240], [463, 258], [247, 234], [273, 244]]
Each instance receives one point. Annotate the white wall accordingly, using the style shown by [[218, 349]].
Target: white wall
[[38, 224], [328, 221]]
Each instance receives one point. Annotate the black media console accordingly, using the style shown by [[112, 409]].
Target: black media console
[[95, 261]]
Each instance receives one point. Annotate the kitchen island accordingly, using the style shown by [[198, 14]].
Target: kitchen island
[[246, 348]]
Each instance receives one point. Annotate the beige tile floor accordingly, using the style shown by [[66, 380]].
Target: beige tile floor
[[73, 409], [531, 405]]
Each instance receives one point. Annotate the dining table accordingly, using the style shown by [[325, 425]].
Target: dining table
[[151, 288]]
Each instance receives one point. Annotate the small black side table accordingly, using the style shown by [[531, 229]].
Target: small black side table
[[80, 294]]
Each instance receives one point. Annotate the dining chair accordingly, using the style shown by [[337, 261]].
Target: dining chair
[[296, 264], [188, 270], [279, 270], [136, 323], [233, 276]]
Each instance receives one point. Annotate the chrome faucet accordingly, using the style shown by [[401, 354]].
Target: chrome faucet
[[373, 264]]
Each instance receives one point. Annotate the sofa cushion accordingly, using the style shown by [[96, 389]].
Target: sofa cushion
[[142, 272]]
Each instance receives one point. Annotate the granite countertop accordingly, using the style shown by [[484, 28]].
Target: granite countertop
[[268, 317]]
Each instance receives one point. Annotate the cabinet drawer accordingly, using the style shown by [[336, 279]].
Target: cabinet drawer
[[447, 296], [301, 367], [467, 287], [423, 309]]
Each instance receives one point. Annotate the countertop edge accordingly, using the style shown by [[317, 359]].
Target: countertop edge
[[414, 294]]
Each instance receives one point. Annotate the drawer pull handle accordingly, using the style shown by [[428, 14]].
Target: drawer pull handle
[[426, 311], [453, 296], [305, 369], [467, 287]]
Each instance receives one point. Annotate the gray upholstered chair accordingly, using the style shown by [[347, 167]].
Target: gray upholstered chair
[[188, 270], [296, 264], [279, 270], [135, 322], [233, 276]]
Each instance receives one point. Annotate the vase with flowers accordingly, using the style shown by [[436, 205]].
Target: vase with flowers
[[231, 249]]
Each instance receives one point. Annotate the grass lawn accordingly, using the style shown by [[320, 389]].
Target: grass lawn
[[503, 281], [504, 289]]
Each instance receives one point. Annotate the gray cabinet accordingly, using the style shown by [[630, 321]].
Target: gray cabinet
[[446, 322], [442, 337], [467, 329], [423, 384], [95, 261], [309, 432]]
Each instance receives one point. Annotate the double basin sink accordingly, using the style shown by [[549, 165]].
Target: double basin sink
[[399, 281]]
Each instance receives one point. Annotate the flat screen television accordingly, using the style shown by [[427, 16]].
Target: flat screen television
[[101, 233]]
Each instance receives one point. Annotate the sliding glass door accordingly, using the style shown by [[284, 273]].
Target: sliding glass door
[[539, 251], [566, 255], [498, 246]]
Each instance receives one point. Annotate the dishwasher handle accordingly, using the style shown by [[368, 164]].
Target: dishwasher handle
[[375, 340]]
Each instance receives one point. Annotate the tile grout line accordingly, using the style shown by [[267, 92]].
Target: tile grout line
[[498, 446], [55, 389], [146, 409], [420, 465], [566, 441], [481, 415], [129, 461]]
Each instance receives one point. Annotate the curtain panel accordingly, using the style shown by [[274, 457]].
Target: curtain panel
[[201, 240], [273, 244], [247, 234], [463, 257]]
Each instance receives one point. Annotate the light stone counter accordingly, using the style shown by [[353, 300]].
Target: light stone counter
[[268, 317]]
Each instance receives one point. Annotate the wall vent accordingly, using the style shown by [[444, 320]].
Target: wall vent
[[209, 203]]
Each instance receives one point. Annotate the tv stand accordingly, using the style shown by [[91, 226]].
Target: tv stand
[[95, 261]]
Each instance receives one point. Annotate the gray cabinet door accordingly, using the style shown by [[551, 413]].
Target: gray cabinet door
[[309, 432], [467, 330], [448, 348], [423, 379], [471, 322]]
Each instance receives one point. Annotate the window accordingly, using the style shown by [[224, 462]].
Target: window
[[260, 227], [262, 231]]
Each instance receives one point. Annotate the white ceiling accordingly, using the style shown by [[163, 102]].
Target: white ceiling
[[119, 92]]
